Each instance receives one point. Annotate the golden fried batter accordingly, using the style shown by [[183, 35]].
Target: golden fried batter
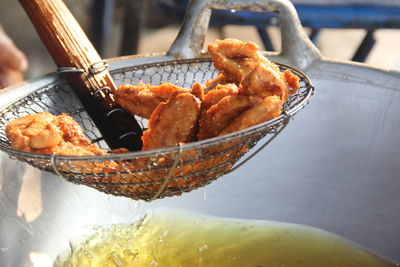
[[34, 132], [234, 58], [71, 130], [264, 81], [198, 91], [142, 99], [69, 149], [220, 79], [219, 92], [48, 134], [250, 70], [267, 109], [220, 115], [172, 122], [292, 81]]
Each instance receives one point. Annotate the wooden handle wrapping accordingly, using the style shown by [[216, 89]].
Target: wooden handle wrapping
[[70, 48]]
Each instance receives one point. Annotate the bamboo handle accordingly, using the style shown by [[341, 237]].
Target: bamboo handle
[[70, 48]]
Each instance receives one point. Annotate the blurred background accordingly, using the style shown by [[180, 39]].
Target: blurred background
[[124, 27]]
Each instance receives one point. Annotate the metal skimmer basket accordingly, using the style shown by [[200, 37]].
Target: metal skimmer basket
[[156, 173]]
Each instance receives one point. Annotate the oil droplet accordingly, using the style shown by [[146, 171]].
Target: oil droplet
[[203, 248]]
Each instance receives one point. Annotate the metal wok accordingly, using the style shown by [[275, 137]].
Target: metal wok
[[335, 167]]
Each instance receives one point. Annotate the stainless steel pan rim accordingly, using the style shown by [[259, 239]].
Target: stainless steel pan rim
[[351, 204]]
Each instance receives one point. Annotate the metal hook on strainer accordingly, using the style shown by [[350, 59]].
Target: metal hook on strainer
[[169, 176]]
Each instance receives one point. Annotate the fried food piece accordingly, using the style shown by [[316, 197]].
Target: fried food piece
[[220, 115], [245, 65], [71, 130], [120, 150], [267, 109], [292, 81], [264, 81], [220, 79], [48, 134], [142, 99], [258, 78], [69, 149], [198, 91], [173, 122], [35, 132], [215, 95], [234, 58], [74, 142]]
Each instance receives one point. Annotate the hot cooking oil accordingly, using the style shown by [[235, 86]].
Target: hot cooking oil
[[171, 239]]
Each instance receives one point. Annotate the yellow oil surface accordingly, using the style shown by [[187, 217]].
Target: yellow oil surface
[[170, 239]]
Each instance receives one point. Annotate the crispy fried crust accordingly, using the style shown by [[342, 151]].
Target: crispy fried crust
[[267, 109], [142, 99], [264, 81], [220, 115], [172, 122], [242, 63], [220, 79], [198, 91], [234, 58], [292, 81], [219, 92], [48, 134]]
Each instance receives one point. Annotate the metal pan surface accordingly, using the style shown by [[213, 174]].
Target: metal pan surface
[[335, 167]]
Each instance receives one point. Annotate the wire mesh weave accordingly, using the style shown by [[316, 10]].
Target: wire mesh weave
[[150, 174]]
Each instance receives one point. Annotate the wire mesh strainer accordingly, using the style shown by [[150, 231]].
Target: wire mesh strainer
[[150, 174]]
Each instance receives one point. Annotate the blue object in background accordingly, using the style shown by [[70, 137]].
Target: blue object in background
[[315, 16]]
